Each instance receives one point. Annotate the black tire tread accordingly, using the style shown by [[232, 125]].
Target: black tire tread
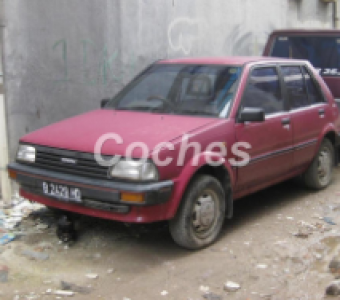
[[310, 176], [179, 226]]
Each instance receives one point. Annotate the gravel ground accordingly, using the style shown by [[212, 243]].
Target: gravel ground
[[278, 246]]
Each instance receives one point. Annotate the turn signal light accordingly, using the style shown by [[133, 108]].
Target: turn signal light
[[12, 174], [132, 197]]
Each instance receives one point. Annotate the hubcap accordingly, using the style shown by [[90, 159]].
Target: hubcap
[[204, 212], [324, 166]]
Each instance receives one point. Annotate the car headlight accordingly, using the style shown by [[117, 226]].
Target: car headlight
[[139, 170], [26, 153]]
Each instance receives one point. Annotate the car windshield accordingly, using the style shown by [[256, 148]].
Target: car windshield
[[203, 90], [322, 51]]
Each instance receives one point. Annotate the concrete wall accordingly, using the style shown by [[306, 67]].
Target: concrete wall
[[5, 187], [309, 14], [63, 56]]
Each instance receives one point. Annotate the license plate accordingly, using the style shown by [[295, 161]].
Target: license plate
[[61, 191]]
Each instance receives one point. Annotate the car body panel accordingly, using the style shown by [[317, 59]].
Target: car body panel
[[131, 126], [271, 152], [306, 124]]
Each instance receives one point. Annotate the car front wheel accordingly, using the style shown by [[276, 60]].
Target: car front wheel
[[319, 173], [200, 216]]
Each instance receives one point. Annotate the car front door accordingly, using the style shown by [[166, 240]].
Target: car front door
[[271, 141], [308, 112]]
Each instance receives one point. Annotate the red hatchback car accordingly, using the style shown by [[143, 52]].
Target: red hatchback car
[[182, 141]]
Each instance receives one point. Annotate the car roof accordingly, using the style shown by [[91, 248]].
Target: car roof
[[228, 60], [306, 32]]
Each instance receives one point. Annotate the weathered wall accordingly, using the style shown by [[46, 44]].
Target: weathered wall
[[63, 56], [309, 14]]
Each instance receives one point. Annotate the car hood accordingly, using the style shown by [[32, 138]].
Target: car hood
[[81, 133]]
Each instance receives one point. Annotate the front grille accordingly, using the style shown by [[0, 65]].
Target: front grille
[[60, 160]]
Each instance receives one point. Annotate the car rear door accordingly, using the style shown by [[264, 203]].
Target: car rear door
[[271, 141], [308, 112]]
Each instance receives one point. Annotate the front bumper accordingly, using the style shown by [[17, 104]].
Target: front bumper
[[98, 195]]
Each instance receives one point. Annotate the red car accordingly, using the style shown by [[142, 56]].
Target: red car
[[184, 140]]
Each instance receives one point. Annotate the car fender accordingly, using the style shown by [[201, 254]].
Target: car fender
[[188, 172], [329, 128]]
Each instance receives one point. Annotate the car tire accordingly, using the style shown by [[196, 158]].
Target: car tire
[[319, 173], [200, 216]]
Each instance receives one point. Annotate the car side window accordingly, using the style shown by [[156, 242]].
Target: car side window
[[296, 88], [264, 90], [314, 93]]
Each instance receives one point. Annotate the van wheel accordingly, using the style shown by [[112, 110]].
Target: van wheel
[[319, 173], [200, 216]]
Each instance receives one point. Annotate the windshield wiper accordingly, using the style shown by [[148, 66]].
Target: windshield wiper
[[141, 108], [138, 108], [198, 112]]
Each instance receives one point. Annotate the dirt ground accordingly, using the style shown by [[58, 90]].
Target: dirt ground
[[257, 249]]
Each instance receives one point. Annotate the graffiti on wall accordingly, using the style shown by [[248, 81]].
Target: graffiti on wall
[[84, 62], [99, 68], [241, 41], [183, 33]]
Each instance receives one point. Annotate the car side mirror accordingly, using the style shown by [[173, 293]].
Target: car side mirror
[[252, 114], [104, 102]]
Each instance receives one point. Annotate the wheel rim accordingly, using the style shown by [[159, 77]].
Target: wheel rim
[[324, 166], [204, 216]]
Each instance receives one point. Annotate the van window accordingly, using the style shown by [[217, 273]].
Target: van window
[[295, 85], [322, 52], [314, 93], [264, 91]]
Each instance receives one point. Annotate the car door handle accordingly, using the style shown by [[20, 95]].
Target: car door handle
[[321, 111], [285, 121]]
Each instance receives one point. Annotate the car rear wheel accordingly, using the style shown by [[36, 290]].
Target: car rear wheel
[[200, 216], [319, 173]]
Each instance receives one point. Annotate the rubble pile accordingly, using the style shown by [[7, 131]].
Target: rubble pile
[[11, 217]]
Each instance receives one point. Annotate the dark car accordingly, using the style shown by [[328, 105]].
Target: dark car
[[320, 47]]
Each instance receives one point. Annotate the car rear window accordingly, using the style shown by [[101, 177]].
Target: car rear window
[[314, 93], [296, 89], [323, 52]]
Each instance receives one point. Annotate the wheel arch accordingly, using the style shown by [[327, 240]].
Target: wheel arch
[[332, 137], [224, 177]]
